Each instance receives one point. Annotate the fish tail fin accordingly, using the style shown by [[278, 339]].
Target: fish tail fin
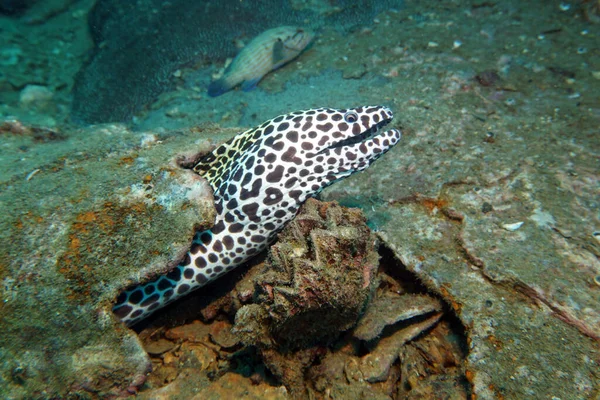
[[218, 87]]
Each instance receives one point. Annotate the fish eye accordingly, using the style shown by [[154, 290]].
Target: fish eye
[[350, 117]]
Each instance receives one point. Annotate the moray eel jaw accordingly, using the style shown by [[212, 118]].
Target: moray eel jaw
[[260, 179], [365, 133], [361, 143]]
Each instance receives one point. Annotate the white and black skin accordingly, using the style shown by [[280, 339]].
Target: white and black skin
[[260, 179]]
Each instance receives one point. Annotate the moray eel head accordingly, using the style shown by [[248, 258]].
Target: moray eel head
[[350, 141], [301, 153]]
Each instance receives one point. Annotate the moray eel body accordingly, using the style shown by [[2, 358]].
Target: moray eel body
[[266, 52], [260, 179]]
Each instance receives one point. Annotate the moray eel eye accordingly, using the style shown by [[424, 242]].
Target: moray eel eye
[[350, 117]]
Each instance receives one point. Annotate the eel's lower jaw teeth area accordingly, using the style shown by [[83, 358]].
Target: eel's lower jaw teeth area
[[361, 137]]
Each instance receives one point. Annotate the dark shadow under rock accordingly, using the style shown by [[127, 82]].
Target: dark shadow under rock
[[10, 7]]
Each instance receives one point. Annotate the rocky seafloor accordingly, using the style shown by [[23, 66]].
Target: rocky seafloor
[[479, 276]]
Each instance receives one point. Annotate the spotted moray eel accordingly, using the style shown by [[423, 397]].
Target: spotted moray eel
[[265, 53], [260, 179]]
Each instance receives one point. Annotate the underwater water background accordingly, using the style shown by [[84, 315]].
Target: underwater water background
[[471, 270]]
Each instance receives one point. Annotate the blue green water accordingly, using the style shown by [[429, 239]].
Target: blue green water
[[490, 200]]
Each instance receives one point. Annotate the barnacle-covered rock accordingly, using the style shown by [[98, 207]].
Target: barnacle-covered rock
[[387, 310], [317, 281], [316, 284]]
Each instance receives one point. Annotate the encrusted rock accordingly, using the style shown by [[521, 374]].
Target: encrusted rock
[[316, 282], [390, 308], [375, 366], [158, 347], [235, 386], [113, 213]]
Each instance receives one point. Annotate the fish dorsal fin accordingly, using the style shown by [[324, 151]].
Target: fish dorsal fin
[[217, 165]]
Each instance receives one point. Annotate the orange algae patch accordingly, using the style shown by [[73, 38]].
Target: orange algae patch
[[431, 204], [498, 345], [456, 306], [470, 375], [92, 242], [127, 160]]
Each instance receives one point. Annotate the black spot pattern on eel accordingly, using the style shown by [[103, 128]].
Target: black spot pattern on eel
[[260, 178]]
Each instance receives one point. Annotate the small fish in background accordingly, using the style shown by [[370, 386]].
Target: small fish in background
[[265, 53]]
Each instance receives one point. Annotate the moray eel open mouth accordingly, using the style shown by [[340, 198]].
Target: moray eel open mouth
[[364, 136]]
